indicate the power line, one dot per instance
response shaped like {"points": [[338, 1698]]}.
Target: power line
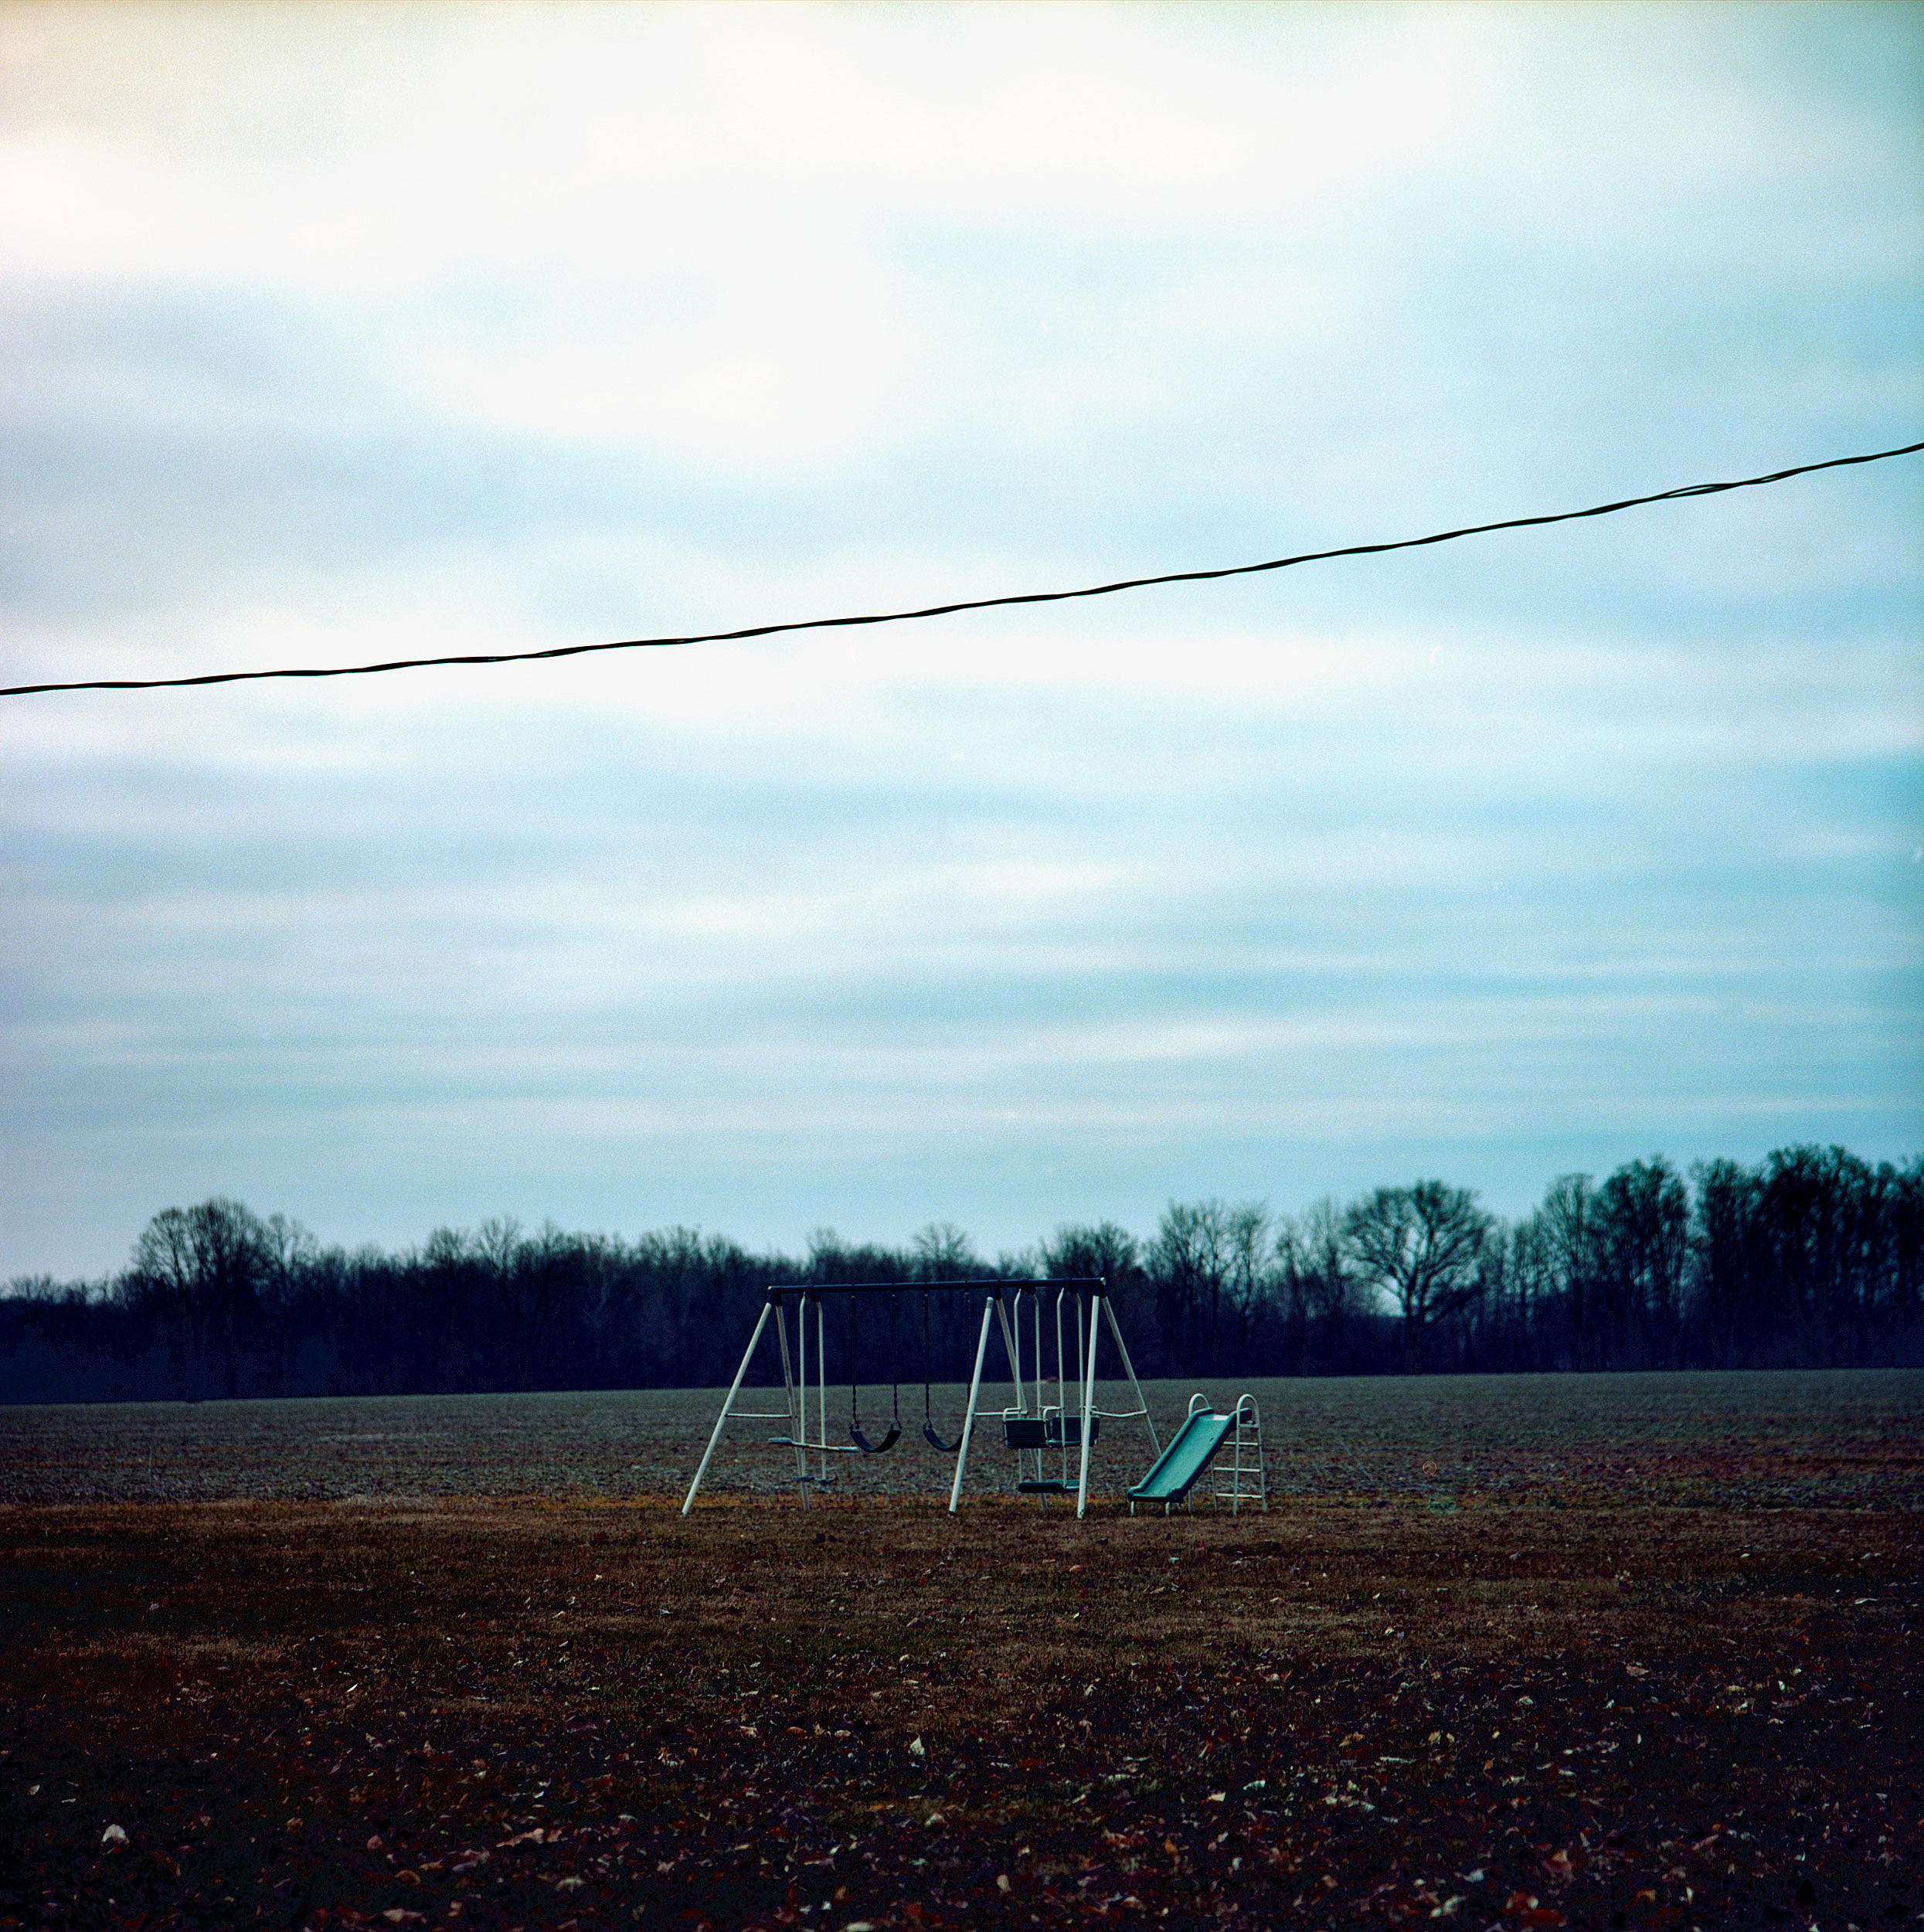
{"points": [[966, 603]]}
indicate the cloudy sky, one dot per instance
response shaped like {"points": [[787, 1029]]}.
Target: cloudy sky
{"points": [[342, 333]]}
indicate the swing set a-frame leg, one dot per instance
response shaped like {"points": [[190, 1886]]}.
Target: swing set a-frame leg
{"points": [[1088, 1407], [990, 1303], [1129, 1369], [721, 1421]]}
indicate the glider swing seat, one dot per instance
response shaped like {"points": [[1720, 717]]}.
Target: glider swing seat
{"points": [[1052, 1441], [1051, 1426]]}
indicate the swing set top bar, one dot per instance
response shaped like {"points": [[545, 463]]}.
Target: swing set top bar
{"points": [[776, 1290]]}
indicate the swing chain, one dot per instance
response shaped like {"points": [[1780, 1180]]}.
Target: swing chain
{"points": [[856, 1435], [928, 1370]]}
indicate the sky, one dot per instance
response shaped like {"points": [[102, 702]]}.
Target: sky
{"points": [[337, 333]]}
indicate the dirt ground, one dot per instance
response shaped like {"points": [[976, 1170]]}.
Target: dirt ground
{"points": [[1836, 1440], [1569, 1705]]}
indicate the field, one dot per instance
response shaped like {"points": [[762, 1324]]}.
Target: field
{"points": [[1608, 1652]]}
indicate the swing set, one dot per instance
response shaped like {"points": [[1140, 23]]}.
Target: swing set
{"points": [[1052, 1441]]}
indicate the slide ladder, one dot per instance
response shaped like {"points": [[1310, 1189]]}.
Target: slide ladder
{"points": [[1243, 1476]]}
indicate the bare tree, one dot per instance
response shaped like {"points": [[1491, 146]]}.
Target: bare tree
{"points": [[603, 1261], [288, 1251], [1530, 1292], [523, 1274], [1724, 1253], [1322, 1290], [944, 1252], [1419, 1245], [1079, 1251], [1642, 1218], [1211, 1264], [1567, 1224], [1076, 1252], [201, 1266]]}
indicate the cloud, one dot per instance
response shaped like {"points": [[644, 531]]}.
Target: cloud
{"points": [[493, 331]]}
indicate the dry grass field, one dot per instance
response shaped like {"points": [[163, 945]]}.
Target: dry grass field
{"points": [[1613, 1653]]}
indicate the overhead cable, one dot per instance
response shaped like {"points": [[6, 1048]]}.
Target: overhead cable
{"points": [[965, 603]]}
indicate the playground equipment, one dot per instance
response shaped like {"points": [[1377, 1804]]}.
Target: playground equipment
{"points": [[894, 1435], [1244, 1476], [1050, 1432], [1194, 1447], [928, 1379], [1051, 1426]]}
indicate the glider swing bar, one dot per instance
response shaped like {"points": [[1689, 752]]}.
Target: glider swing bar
{"points": [[1071, 1424]]}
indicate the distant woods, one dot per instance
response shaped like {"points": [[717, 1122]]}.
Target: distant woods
{"points": [[1812, 1259]]}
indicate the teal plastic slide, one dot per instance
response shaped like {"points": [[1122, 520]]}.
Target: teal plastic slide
{"points": [[1179, 1466]]}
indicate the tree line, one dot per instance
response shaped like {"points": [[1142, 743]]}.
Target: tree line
{"points": [[1812, 1258]]}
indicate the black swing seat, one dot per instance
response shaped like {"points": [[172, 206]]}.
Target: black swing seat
{"points": [[869, 1448], [1045, 1488], [1048, 1432], [935, 1442]]}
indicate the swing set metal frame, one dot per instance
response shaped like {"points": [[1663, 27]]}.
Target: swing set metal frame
{"points": [[1058, 1431]]}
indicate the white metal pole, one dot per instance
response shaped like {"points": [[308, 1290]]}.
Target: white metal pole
{"points": [[1088, 1393], [1011, 1316], [989, 1304], [1061, 1367], [1062, 1402], [822, 1381], [1122, 1349], [1036, 1310], [1037, 1299], [722, 1420], [1079, 1362], [797, 1405], [1012, 1347], [801, 1365]]}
